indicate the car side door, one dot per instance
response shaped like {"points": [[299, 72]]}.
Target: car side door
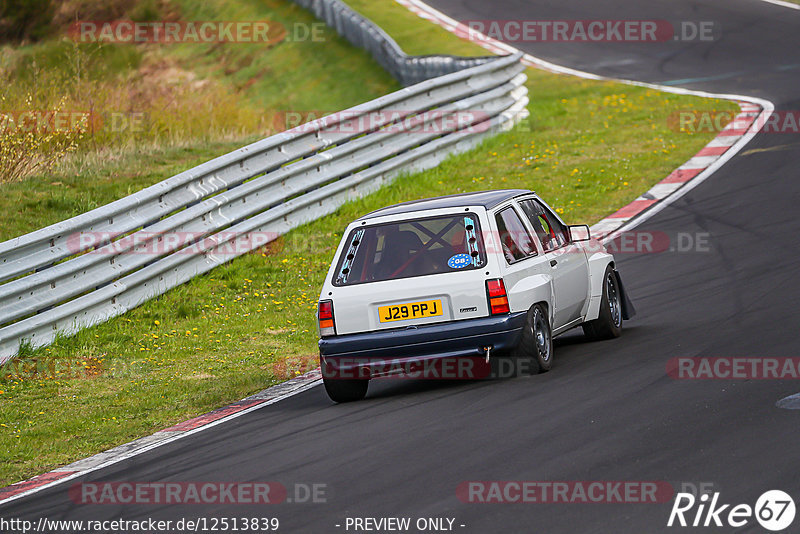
{"points": [[567, 261], [522, 255]]}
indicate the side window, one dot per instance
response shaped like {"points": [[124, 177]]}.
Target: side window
{"points": [[548, 228], [514, 238]]}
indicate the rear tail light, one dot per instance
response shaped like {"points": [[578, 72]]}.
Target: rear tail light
{"points": [[325, 316], [498, 300]]}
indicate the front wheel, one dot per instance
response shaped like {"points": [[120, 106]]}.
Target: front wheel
{"points": [[535, 347], [608, 324]]}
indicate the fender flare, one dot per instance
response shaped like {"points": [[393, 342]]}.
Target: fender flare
{"points": [[598, 263], [532, 290], [628, 310]]}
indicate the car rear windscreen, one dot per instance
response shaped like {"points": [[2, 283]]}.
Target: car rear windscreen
{"points": [[409, 248]]}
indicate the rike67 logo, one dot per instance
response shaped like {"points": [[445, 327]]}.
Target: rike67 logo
{"points": [[774, 510]]}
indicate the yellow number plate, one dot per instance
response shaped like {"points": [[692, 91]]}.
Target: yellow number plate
{"points": [[412, 310]]}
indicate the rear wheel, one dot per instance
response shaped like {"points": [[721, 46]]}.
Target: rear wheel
{"points": [[535, 348], [346, 389], [608, 324], [339, 388]]}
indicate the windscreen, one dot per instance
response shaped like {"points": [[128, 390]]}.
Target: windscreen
{"points": [[409, 248]]}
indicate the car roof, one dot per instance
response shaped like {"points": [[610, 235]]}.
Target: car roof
{"points": [[487, 199]]}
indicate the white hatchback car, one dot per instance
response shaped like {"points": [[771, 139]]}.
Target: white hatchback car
{"points": [[462, 276]]}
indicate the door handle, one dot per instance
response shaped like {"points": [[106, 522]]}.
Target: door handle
{"points": [[553, 263]]}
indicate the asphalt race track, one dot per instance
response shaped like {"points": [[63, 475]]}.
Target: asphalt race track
{"points": [[607, 411]]}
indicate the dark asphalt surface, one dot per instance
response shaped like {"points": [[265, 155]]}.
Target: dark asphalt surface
{"points": [[607, 410]]}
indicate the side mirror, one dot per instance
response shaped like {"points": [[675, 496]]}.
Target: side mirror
{"points": [[579, 232]]}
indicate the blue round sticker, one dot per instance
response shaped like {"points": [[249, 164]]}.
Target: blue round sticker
{"points": [[459, 261]]}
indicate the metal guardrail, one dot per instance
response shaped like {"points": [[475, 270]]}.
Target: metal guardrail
{"points": [[58, 282], [364, 33]]}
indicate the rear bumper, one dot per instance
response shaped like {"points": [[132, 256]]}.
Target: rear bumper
{"points": [[457, 339]]}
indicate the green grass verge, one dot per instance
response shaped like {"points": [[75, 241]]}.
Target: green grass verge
{"points": [[178, 94], [589, 148]]}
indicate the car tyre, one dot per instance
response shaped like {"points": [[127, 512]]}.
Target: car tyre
{"points": [[346, 389], [535, 347], [608, 324]]}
